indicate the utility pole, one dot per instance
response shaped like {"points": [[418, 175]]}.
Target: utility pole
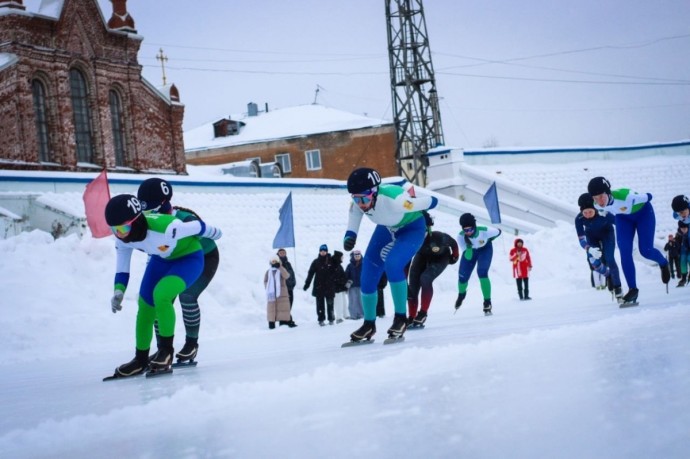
{"points": [[163, 58], [413, 86]]}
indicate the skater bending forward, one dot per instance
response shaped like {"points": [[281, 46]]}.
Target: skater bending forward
{"points": [[399, 233], [477, 250], [175, 263]]}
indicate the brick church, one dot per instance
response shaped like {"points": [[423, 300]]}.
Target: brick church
{"points": [[72, 97]]}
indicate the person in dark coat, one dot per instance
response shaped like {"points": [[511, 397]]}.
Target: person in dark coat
{"points": [[321, 271], [437, 252], [291, 282], [340, 279], [673, 249], [684, 249], [354, 286], [380, 304]]}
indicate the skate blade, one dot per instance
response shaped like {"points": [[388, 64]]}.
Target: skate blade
{"points": [[628, 305], [119, 376], [357, 343], [415, 326], [488, 313], [157, 373], [188, 363], [397, 339]]}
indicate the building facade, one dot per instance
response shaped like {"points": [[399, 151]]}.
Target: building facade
{"points": [[308, 141], [72, 96]]}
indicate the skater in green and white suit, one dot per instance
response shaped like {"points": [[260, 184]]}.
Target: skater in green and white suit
{"points": [[477, 250], [176, 262]]}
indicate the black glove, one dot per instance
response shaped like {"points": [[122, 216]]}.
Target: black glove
{"points": [[306, 287], [349, 243]]}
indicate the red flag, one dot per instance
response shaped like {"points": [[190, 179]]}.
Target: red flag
{"points": [[96, 197]]}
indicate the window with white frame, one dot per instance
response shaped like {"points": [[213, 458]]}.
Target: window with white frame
{"points": [[284, 160], [313, 158]]}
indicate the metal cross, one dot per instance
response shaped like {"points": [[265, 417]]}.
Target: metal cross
{"points": [[163, 58]]}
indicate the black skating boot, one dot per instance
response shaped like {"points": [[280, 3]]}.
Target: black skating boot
{"points": [[665, 274], [461, 298], [618, 293], [163, 358], [399, 326], [683, 280], [419, 320], [139, 364], [631, 296], [365, 332], [487, 307], [271, 325], [189, 350]]}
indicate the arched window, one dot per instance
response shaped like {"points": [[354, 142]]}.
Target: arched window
{"points": [[118, 125], [82, 116], [41, 117]]}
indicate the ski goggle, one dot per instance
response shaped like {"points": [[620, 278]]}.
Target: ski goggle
{"points": [[364, 198], [468, 229], [124, 229]]}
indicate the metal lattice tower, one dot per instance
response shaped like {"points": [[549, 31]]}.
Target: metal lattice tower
{"points": [[413, 85]]}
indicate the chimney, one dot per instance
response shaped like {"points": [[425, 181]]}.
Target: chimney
{"points": [[252, 109], [121, 19], [14, 4]]}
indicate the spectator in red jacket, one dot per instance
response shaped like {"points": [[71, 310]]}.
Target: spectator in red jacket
{"points": [[522, 265]]}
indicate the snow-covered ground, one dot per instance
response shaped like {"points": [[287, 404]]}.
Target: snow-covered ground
{"points": [[567, 375]]}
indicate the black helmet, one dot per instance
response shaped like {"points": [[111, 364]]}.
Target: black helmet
{"points": [[467, 221], [680, 203], [153, 192], [682, 224], [362, 179], [122, 208], [599, 185], [585, 201]]}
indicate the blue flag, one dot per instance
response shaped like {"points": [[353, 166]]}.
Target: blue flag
{"points": [[285, 237], [491, 203]]}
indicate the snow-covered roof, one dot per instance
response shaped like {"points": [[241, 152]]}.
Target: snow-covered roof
{"points": [[280, 123]]}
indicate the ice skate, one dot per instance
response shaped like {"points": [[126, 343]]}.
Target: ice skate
{"points": [[399, 326], [188, 351], [458, 302], [487, 307], [665, 274], [419, 320], [137, 366], [630, 298], [365, 332]]}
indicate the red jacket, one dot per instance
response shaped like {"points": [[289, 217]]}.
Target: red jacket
{"points": [[521, 260]]}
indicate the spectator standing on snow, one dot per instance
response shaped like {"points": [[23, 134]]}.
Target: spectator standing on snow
{"points": [[476, 249], [340, 280], [672, 249], [277, 297], [291, 282], [321, 271], [522, 265], [634, 214], [684, 248], [354, 290]]}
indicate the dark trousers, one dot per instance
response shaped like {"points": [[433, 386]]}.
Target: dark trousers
{"points": [[380, 307], [323, 303], [523, 287], [674, 266]]}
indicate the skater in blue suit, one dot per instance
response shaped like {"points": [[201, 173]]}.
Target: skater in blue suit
{"points": [[399, 233], [634, 215], [597, 236]]}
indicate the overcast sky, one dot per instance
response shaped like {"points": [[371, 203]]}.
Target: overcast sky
{"points": [[538, 73]]}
